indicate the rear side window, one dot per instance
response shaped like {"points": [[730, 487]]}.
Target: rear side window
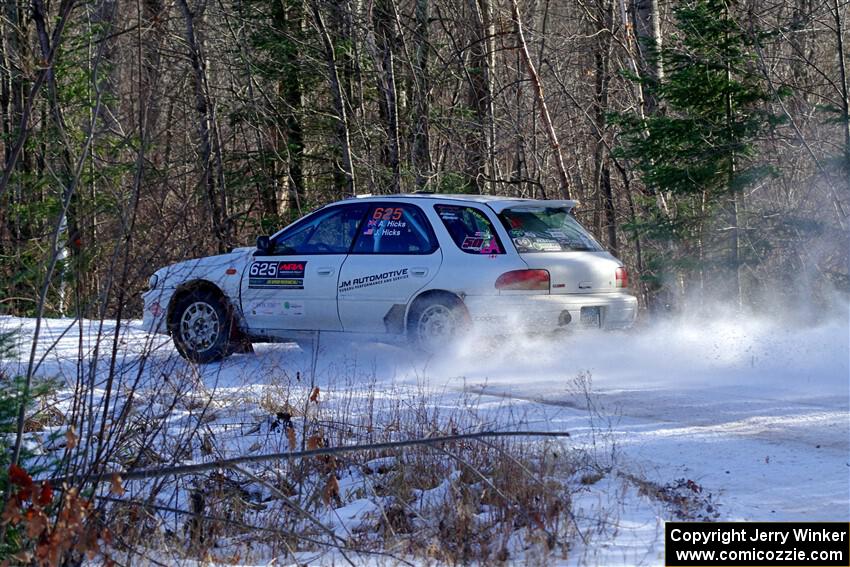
{"points": [[546, 229], [470, 229], [395, 229]]}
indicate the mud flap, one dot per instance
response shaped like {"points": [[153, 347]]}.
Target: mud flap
{"points": [[239, 342], [394, 319]]}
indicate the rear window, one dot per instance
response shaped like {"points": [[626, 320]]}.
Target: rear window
{"points": [[546, 229], [470, 229]]}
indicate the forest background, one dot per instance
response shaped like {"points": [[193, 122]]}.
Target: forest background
{"points": [[708, 141]]}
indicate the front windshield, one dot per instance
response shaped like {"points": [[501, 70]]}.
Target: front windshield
{"points": [[546, 229]]}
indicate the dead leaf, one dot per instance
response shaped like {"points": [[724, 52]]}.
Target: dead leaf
{"points": [[290, 436], [115, 485], [314, 442], [331, 490], [314, 397], [19, 476], [207, 444], [36, 525], [12, 512], [45, 497], [71, 437]]}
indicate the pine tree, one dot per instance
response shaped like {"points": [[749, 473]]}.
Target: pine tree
{"points": [[697, 153]]}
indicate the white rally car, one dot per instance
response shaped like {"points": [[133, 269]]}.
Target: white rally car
{"points": [[425, 266]]}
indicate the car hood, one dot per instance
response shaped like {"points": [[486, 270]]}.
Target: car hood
{"points": [[212, 268]]}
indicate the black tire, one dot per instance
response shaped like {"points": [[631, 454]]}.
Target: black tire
{"points": [[436, 323], [200, 326]]}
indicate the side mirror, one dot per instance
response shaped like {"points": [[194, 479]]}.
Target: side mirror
{"points": [[263, 245]]}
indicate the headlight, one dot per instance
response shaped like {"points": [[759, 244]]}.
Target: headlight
{"points": [[154, 279]]}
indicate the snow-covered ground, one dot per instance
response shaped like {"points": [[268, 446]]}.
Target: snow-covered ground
{"points": [[755, 412]]}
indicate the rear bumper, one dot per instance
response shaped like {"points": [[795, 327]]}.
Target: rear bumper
{"points": [[547, 313]]}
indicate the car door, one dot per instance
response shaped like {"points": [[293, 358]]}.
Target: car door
{"points": [[293, 286], [395, 254]]}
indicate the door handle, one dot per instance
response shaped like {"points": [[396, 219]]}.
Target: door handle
{"points": [[419, 271], [327, 271]]}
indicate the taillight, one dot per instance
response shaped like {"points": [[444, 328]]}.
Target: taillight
{"points": [[524, 279], [621, 277]]}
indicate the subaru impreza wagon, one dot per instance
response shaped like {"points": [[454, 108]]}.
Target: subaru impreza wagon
{"points": [[426, 267]]}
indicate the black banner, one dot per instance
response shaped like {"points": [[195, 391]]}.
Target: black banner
{"points": [[762, 544]]}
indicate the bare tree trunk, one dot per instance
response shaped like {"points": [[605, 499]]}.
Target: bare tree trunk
{"points": [[382, 51], [479, 95], [602, 168], [563, 178], [420, 143], [289, 18], [216, 196], [734, 202], [342, 129], [488, 21], [647, 26], [70, 235], [845, 97], [153, 14], [13, 94], [519, 175]]}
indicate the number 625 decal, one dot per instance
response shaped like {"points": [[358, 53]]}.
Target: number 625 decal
{"points": [[387, 213]]}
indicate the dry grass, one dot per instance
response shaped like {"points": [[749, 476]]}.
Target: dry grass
{"points": [[451, 504]]}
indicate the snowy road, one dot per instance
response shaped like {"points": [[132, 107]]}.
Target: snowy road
{"points": [[756, 413]]}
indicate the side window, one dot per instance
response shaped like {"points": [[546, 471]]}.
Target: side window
{"points": [[396, 228], [326, 232], [470, 228]]}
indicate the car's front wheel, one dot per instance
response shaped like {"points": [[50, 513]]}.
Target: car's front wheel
{"points": [[436, 323], [200, 326]]}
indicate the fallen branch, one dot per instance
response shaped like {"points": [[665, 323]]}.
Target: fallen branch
{"points": [[230, 463]]}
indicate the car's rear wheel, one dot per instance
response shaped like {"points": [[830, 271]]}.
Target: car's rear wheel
{"points": [[436, 323], [200, 326]]}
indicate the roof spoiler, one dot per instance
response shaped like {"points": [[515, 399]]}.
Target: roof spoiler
{"points": [[500, 206]]}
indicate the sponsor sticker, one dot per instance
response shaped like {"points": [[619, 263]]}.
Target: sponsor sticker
{"points": [[293, 308], [278, 308], [491, 247], [546, 245], [277, 275], [481, 242], [374, 279], [472, 243], [265, 308], [447, 212]]}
